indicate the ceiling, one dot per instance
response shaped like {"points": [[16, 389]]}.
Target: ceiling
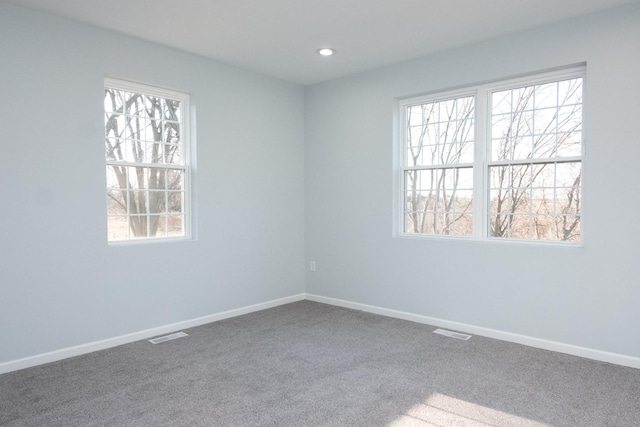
{"points": [[279, 37]]}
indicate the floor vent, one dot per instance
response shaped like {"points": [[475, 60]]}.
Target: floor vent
{"points": [[168, 337], [456, 335]]}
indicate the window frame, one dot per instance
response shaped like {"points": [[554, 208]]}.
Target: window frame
{"points": [[185, 166], [482, 94]]}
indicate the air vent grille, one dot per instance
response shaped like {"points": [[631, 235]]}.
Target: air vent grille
{"points": [[450, 334], [168, 337]]}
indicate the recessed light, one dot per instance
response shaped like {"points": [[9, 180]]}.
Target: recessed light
{"points": [[326, 51]]}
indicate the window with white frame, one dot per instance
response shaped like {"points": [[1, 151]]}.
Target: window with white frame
{"points": [[495, 161], [147, 162]]}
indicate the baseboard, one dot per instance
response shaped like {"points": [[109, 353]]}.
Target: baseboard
{"points": [[53, 356], [602, 356]]}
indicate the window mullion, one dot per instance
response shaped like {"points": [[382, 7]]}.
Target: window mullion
{"points": [[128, 187], [480, 179]]}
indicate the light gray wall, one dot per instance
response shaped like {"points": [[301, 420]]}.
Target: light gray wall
{"points": [[61, 285], [586, 296], [257, 184]]}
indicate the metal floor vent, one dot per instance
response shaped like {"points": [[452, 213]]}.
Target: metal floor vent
{"points": [[168, 337], [456, 335]]}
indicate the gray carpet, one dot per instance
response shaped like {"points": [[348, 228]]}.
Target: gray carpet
{"points": [[310, 364]]}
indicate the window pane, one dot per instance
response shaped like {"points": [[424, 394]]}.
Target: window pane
{"points": [[568, 228], [543, 176], [568, 175], [546, 95], [545, 121], [113, 100], [171, 133], [171, 110], [570, 118], [510, 226], [114, 173], [157, 201], [519, 227], [175, 179], [461, 226], [158, 225], [543, 227], [570, 92], [172, 154], [569, 144], [175, 225], [117, 227], [175, 202], [116, 202], [112, 148], [157, 178], [519, 148], [115, 124], [544, 146]]}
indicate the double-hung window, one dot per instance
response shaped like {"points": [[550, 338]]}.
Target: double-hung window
{"points": [[495, 161], [147, 162]]}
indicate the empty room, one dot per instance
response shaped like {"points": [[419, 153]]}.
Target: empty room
{"points": [[337, 213]]}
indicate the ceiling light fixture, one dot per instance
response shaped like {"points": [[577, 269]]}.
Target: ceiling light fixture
{"points": [[326, 51]]}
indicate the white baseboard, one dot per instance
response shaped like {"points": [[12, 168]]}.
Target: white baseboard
{"points": [[602, 356], [53, 356]]}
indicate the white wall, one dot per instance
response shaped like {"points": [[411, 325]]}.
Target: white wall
{"points": [[587, 297], [61, 285]]}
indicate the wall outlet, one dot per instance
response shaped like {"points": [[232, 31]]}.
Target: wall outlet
{"points": [[312, 266]]}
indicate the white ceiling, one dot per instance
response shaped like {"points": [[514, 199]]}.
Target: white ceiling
{"points": [[279, 37]]}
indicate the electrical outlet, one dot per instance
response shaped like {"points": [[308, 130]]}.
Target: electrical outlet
{"points": [[312, 266]]}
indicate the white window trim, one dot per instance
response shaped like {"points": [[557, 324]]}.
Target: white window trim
{"points": [[184, 98], [482, 155]]}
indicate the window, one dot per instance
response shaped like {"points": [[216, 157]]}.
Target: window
{"points": [[497, 161], [146, 150]]}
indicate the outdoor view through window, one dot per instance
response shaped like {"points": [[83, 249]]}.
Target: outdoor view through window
{"points": [[146, 158], [496, 161]]}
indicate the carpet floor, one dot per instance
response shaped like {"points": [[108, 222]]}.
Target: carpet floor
{"points": [[311, 364]]}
